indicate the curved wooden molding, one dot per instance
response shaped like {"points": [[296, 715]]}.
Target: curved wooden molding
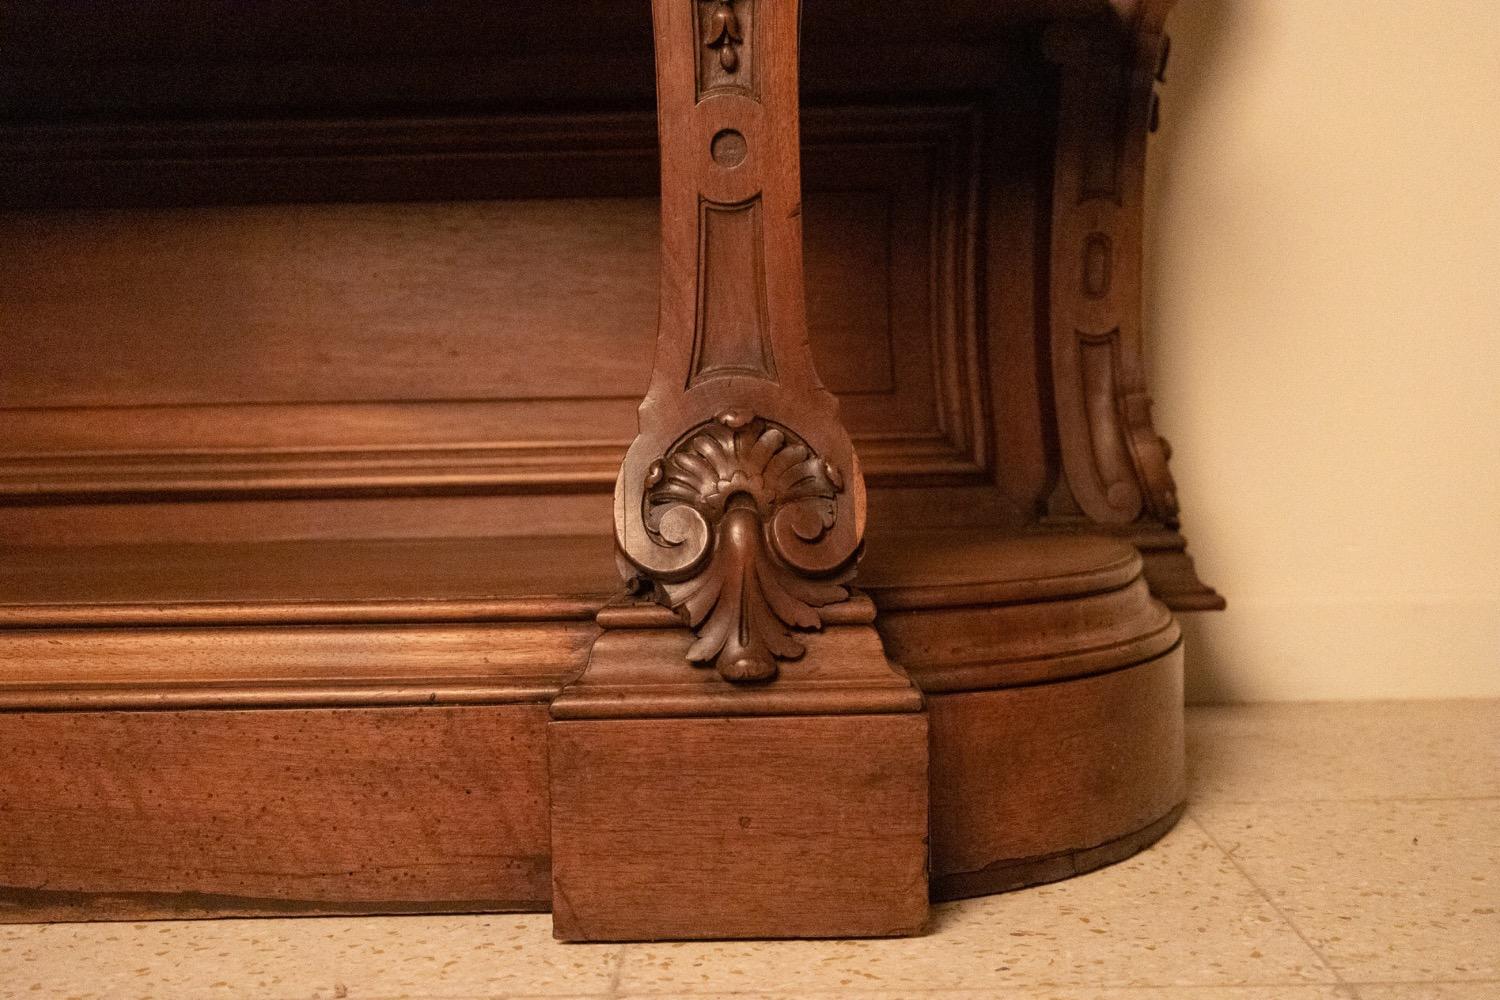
{"points": [[1114, 472], [965, 612]]}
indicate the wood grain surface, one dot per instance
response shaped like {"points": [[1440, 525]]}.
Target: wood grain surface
{"points": [[395, 341], [132, 815], [314, 582], [746, 827], [1049, 770]]}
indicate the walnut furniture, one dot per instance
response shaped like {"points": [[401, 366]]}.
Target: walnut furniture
{"points": [[343, 569]]}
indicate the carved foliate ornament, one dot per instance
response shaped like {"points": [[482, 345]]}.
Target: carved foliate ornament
{"points": [[723, 34], [743, 493], [724, 45], [745, 529]]}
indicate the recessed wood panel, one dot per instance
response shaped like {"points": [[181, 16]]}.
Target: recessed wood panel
{"points": [[498, 343], [329, 303], [385, 303]]}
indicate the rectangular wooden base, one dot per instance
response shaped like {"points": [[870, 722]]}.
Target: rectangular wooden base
{"points": [[761, 826]]}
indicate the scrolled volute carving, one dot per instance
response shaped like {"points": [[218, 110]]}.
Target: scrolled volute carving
{"points": [[741, 499]]}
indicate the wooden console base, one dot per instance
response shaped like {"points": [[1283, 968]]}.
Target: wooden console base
{"points": [[1054, 692], [684, 806], [167, 756]]}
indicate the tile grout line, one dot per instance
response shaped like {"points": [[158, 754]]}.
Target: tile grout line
{"points": [[1357, 800], [1318, 952], [1019, 991], [618, 973], [1425, 982]]}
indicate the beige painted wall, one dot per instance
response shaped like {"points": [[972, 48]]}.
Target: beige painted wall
{"points": [[1324, 321]]}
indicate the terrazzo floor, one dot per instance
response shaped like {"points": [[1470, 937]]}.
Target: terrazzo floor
{"points": [[1328, 851]]}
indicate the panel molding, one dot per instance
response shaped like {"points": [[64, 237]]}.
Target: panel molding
{"points": [[106, 454], [731, 333], [560, 467]]}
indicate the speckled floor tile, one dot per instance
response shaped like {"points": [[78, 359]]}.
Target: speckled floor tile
{"points": [[1387, 891], [1431, 991], [1178, 914], [1360, 750], [366, 958]]}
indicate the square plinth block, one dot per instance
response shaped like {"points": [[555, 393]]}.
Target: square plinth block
{"points": [[739, 827]]}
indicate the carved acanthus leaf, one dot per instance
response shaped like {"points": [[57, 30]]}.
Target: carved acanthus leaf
{"points": [[748, 481]]}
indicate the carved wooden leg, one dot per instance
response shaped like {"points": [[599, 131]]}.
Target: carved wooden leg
{"points": [[764, 774]]}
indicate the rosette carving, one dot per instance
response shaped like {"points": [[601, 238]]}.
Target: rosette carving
{"points": [[745, 497]]}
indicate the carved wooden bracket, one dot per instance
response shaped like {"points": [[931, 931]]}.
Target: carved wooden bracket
{"points": [[741, 502], [1115, 463]]}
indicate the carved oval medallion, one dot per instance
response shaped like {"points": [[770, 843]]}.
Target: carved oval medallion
{"points": [[1098, 265]]}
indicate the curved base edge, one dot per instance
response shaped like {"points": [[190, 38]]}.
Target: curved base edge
{"points": [[1007, 876], [1041, 782]]}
